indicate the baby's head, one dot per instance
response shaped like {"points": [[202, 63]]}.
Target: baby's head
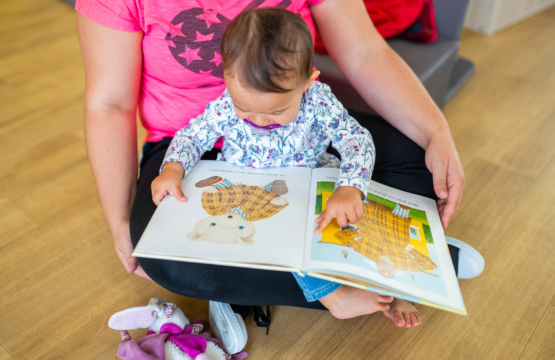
{"points": [[267, 55]]}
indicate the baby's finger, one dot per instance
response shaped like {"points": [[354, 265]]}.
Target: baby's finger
{"points": [[325, 219], [178, 193], [352, 216], [158, 195], [341, 219], [359, 211]]}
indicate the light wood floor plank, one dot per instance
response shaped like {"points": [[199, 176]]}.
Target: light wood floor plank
{"points": [[4, 355], [13, 222], [542, 343], [498, 95], [519, 270], [56, 263], [526, 145], [28, 86], [22, 29]]}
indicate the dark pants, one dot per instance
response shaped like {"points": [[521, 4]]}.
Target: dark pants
{"points": [[399, 164]]}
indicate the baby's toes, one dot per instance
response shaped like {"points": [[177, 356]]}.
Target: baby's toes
{"points": [[399, 319], [413, 320], [417, 319], [408, 320]]}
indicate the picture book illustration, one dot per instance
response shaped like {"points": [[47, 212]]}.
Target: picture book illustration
{"points": [[233, 207], [265, 219], [383, 235], [392, 239]]}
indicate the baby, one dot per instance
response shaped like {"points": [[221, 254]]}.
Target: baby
{"points": [[275, 113]]}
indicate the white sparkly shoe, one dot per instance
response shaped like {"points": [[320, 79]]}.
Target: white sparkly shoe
{"points": [[227, 326], [471, 262]]}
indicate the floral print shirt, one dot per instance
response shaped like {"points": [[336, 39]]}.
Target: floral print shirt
{"points": [[321, 119]]}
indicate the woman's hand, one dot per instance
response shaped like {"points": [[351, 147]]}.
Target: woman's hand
{"points": [[443, 162], [168, 182], [124, 249], [345, 205]]}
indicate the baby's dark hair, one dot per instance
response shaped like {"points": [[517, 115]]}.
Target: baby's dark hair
{"points": [[268, 49]]}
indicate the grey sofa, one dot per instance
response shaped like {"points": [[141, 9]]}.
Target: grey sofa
{"points": [[437, 65]]}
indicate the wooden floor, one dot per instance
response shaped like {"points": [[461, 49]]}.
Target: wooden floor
{"points": [[60, 278]]}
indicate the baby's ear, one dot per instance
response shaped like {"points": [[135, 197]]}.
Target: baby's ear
{"points": [[247, 240], [311, 79]]}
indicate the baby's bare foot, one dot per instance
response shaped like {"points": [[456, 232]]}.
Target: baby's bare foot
{"points": [[348, 302], [403, 314]]}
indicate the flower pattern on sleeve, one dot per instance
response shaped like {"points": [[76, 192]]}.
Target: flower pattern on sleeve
{"points": [[321, 119]]}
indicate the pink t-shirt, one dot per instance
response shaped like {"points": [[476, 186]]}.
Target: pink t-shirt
{"points": [[182, 67]]}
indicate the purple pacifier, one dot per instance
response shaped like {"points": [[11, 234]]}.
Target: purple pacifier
{"points": [[262, 130]]}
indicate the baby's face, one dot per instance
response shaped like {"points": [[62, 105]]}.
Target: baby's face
{"points": [[262, 108]]}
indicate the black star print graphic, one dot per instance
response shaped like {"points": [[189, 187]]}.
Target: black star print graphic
{"points": [[195, 38]]}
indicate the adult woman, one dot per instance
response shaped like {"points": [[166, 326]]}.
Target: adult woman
{"points": [[148, 55]]}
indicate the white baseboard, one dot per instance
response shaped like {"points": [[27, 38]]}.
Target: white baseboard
{"points": [[490, 16]]}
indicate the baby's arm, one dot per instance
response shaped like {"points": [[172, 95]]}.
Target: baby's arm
{"points": [[168, 182], [188, 146], [356, 147]]}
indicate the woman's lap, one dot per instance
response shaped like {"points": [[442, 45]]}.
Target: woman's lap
{"points": [[399, 163]]}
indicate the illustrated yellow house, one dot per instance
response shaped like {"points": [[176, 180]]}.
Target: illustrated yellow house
{"points": [[417, 237]]}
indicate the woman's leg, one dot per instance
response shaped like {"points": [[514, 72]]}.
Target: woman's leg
{"points": [[211, 282]]}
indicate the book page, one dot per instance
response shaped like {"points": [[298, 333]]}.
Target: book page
{"points": [[233, 215], [399, 246]]}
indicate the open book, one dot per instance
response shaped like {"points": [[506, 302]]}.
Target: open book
{"points": [[265, 219]]}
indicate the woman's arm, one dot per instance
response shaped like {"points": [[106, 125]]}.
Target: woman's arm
{"points": [[390, 87], [113, 61]]}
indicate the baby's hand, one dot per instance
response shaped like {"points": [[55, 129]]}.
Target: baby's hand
{"points": [[168, 182], [345, 205]]}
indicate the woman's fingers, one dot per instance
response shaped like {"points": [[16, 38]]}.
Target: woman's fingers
{"points": [[124, 248], [439, 173], [129, 262], [140, 272], [441, 203], [453, 201]]}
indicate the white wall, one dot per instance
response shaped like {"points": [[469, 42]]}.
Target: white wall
{"points": [[490, 16]]}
